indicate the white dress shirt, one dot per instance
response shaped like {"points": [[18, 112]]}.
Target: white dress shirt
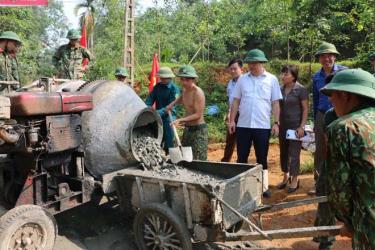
{"points": [[256, 94], [230, 88]]}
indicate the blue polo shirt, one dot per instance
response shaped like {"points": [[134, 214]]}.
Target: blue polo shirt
{"points": [[320, 101], [162, 95]]}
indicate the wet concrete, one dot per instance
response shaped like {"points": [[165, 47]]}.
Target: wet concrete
{"points": [[152, 159]]}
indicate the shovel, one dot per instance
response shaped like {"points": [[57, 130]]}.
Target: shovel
{"points": [[180, 153]]}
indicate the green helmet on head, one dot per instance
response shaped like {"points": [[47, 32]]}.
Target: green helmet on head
{"points": [[73, 34], [165, 72], [372, 57], [187, 71], [326, 48], [10, 35], [121, 71], [255, 55], [356, 81]]}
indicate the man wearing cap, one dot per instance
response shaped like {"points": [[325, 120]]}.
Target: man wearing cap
{"points": [[351, 155], [371, 58], [195, 132], [68, 59], [9, 47], [255, 97], [121, 73], [326, 54], [163, 94]]}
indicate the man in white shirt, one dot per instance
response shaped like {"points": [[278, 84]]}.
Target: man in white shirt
{"points": [[255, 96], [235, 70]]}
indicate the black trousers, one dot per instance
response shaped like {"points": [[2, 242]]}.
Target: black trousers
{"points": [[248, 136], [230, 143]]}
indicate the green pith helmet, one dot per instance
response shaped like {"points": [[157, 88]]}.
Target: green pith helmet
{"points": [[10, 35], [165, 72], [255, 55], [356, 81], [326, 48], [187, 71], [372, 57], [121, 71], [73, 34]]}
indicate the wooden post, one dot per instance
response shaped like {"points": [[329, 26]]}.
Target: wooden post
{"points": [[129, 40]]}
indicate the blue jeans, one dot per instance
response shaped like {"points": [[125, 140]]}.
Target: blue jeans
{"points": [[248, 136]]}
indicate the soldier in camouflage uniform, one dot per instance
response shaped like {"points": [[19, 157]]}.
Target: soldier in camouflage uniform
{"points": [[351, 155], [196, 132], [9, 47], [68, 58]]}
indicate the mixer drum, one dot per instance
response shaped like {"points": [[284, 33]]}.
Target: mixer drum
{"points": [[107, 130]]}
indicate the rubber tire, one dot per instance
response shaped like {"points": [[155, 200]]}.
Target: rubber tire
{"points": [[18, 216], [164, 211]]}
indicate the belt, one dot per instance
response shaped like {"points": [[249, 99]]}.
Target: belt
{"points": [[196, 127]]}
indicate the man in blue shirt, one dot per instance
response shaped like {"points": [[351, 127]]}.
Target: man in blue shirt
{"points": [[327, 56], [164, 93]]}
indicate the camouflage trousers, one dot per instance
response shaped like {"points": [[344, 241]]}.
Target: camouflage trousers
{"points": [[324, 214], [196, 137]]}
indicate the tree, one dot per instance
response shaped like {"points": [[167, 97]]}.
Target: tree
{"points": [[87, 19], [40, 29]]}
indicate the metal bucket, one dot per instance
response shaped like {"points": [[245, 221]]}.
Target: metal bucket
{"points": [[107, 130]]}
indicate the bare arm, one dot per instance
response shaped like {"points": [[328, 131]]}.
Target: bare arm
{"points": [[276, 117], [172, 104], [233, 114], [300, 130]]}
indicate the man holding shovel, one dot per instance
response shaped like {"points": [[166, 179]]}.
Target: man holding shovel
{"points": [[195, 133], [164, 93]]}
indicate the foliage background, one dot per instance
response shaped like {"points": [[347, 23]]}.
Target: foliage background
{"points": [[287, 30]]}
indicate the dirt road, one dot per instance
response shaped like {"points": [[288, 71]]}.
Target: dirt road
{"points": [[104, 227]]}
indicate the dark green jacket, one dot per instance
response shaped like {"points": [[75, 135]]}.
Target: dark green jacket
{"points": [[162, 95], [68, 61], [8, 69]]}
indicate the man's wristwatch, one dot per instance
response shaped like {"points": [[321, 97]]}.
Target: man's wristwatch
{"points": [[277, 123]]}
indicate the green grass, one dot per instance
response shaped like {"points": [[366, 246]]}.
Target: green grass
{"points": [[307, 167]]}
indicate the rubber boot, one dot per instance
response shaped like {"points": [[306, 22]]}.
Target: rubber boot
{"points": [[266, 191]]}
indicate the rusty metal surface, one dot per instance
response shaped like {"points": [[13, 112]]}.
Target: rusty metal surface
{"points": [[64, 132], [241, 188], [107, 129]]}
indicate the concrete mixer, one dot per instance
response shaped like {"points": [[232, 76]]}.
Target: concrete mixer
{"points": [[57, 148]]}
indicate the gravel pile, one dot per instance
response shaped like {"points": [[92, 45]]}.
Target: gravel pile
{"points": [[149, 152]]}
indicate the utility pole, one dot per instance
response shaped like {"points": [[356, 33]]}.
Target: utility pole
{"points": [[129, 39]]}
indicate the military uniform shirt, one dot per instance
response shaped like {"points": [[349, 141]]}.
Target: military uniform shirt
{"points": [[351, 174], [68, 61], [8, 69]]}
